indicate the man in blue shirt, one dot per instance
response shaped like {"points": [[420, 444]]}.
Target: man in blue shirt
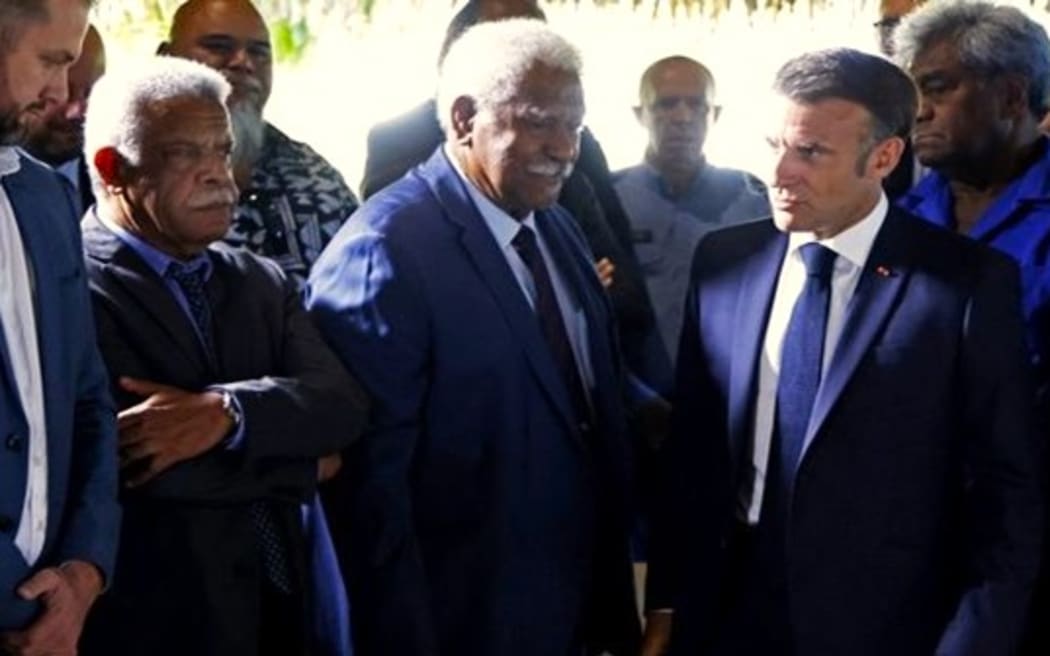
{"points": [[983, 72], [676, 197]]}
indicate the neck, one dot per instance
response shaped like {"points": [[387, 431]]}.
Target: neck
{"points": [[678, 174], [990, 174], [862, 209]]}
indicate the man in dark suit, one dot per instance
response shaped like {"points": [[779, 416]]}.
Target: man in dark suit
{"points": [[394, 147], [852, 466], [491, 514], [56, 137], [228, 395], [58, 505]]}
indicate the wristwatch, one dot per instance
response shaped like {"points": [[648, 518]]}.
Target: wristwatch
{"points": [[230, 408]]}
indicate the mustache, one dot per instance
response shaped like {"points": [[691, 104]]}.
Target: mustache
{"points": [[212, 198]]}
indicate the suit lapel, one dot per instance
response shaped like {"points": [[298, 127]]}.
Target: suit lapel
{"points": [[881, 281], [142, 284], [753, 305], [484, 253]]}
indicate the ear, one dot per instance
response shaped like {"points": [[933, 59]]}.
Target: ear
{"points": [[110, 166], [164, 48], [1013, 94], [464, 111], [885, 156]]}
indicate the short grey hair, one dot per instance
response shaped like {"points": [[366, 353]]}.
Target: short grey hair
{"points": [[991, 40], [491, 59], [119, 103], [16, 14]]}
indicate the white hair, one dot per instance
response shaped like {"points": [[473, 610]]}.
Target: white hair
{"points": [[119, 103], [490, 60]]}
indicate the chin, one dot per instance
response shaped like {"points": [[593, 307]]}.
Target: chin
{"points": [[790, 222]]}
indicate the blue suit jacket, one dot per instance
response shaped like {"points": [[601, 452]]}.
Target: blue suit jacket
{"points": [[482, 521], [83, 514], [915, 520]]}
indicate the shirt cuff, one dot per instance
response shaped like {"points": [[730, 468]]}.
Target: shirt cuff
{"points": [[235, 439]]}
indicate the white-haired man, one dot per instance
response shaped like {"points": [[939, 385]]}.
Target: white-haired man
{"points": [[227, 393], [491, 512], [58, 504]]}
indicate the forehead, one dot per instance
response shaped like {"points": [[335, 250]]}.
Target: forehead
{"points": [[939, 57], [676, 78], [546, 86], [63, 30], [830, 121], [238, 19], [185, 118], [494, 10]]}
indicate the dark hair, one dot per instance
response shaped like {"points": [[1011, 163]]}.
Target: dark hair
{"points": [[870, 81], [466, 18]]}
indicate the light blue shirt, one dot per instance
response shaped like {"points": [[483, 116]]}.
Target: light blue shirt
{"points": [[666, 230], [504, 228]]}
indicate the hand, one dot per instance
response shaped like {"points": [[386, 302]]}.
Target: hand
{"points": [[329, 466], [606, 269], [170, 426], [657, 636], [66, 593]]}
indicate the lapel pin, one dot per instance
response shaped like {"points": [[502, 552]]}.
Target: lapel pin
{"points": [[883, 271]]}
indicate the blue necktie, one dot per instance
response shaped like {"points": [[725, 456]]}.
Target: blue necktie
{"points": [[801, 359], [190, 280], [551, 322]]}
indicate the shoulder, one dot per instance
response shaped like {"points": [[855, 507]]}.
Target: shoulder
{"points": [[946, 254], [237, 261], [287, 157], [421, 120]]}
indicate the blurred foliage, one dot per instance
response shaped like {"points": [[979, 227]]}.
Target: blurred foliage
{"points": [[294, 23]]}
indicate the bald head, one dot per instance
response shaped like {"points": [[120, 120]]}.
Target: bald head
{"points": [[676, 105], [57, 136], [231, 37]]}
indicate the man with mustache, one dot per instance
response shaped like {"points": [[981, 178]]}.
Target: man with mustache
{"points": [[677, 196], [227, 394], [57, 138], [291, 200], [490, 497], [983, 73], [58, 507]]}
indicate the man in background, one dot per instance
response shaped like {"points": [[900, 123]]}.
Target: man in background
{"points": [[676, 196], [57, 138], [291, 200], [58, 507]]}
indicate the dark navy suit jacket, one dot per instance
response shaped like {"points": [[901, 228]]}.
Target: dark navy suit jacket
{"points": [[915, 520], [484, 523], [83, 515]]}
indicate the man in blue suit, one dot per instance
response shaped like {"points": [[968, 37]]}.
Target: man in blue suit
{"points": [[490, 511], [852, 468], [58, 510]]}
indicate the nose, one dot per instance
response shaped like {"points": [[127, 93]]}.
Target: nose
{"points": [[564, 144], [241, 60], [681, 112], [925, 110], [782, 169], [56, 89]]}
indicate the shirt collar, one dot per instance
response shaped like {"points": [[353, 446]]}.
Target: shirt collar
{"points": [[503, 226], [855, 242], [154, 258], [9, 163]]}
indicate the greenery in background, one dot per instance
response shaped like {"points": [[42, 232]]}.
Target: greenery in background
{"points": [[291, 21]]}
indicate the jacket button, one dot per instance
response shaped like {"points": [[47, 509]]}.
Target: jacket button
{"points": [[6, 524], [14, 443]]}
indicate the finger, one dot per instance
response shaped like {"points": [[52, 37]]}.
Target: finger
{"points": [[39, 584], [137, 452], [157, 465], [131, 416], [140, 386]]}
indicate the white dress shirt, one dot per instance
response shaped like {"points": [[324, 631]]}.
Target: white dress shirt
{"points": [[18, 319], [504, 228], [852, 246]]}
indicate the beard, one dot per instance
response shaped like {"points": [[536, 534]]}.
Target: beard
{"points": [[249, 132], [12, 127]]}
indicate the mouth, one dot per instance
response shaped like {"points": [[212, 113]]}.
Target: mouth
{"points": [[925, 138]]}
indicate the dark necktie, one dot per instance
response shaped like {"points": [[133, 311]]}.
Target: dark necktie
{"points": [[274, 554], [551, 322], [191, 281]]}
